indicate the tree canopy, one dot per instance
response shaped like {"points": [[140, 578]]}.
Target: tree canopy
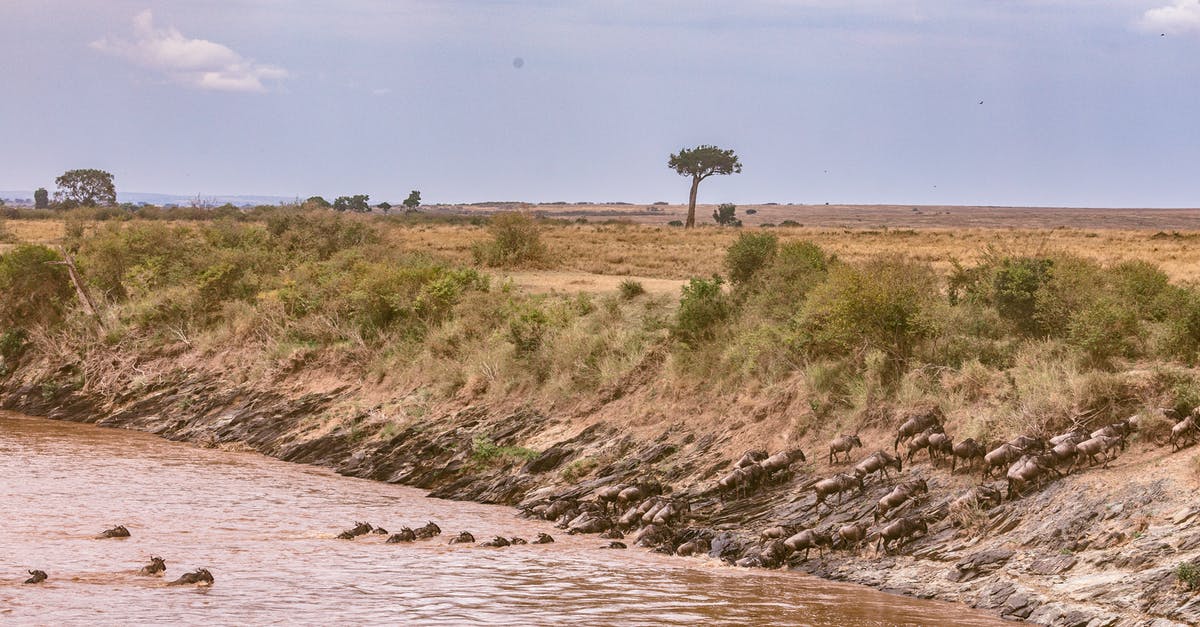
{"points": [[41, 198], [86, 187], [700, 163], [357, 203], [414, 200]]}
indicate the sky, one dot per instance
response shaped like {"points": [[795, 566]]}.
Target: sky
{"points": [[991, 102]]}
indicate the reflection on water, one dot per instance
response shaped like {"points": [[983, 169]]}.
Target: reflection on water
{"points": [[266, 530]]}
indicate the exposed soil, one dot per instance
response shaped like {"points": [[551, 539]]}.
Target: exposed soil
{"points": [[1099, 547]]}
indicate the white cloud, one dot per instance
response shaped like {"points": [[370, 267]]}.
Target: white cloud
{"points": [[196, 63], [1180, 16]]}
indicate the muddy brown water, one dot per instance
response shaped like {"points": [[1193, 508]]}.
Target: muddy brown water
{"points": [[266, 530]]}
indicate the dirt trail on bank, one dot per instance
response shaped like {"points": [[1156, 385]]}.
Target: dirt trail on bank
{"points": [[1099, 547]]}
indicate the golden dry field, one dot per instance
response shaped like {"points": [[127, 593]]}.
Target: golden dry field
{"points": [[634, 240]]}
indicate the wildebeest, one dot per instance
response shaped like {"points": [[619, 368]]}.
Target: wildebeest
{"points": [[921, 441], [900, 531], [543, 538], [940, 444], [404, 535], [980, 496], [200, 577], [877, 462], [359, 529], [38, 576], [516, 541], [1120, 429], [497, 542], [588, 522], [429, 530], [807, 540], [853, 534], [899, 496], [692, 547], [836, 484], [638, 492], [157, 566], [1009, 452], [741, 480], [968, 450], [465, 537], [1184, 433], [615, 545], [1074, 436], [116, 532], [782, 460], [915, 425], [843, 444], [751, 457], [1027, 469], [1096, 445]]}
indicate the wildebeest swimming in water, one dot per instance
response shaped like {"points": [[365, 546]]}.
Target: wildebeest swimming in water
{"points": [[615, 545], [543, 538], [156, 567], [404, 535], [200, 577], [360, 529], [116, 532], [497, 541], [38, 576], [429, 530], [464, 537]]}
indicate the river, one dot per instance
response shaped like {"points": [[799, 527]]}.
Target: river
{"points": [[266, 530]]}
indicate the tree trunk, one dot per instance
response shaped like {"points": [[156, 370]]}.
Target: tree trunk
{"points": [[691, 219]]}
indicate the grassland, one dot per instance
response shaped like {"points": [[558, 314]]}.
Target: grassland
{"points": [[1006, 328]]}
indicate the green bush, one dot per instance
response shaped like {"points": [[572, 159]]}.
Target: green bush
{"points": [[1104, 330], [750, 253], [515, 241], [33, 288], [631, 289], [318, 234], [876, 305], [527, 329], [703, 306], [1189, 574]]}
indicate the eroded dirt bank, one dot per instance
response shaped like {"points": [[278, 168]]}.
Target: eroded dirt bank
{"points": [[1099, 547]]}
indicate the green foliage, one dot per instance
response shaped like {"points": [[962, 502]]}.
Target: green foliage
{"points": [[877, 305], [631, 289], [359, 203], [385, 206], [316, 202], [41, 198], [413, 201], [675, 223], [704, 161], [34, 289], [318, 235], [12, 345], [486, 452], [703, 306], [86, 187], [527, 329], [516, 241], [724, 215], [749, 254], [1104, 329], [1189, 574]]}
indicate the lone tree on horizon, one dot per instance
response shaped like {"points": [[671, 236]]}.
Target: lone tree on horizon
{"points": [[700, 163], [86, 187]]}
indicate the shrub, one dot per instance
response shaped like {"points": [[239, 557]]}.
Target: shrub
{"points": [[1103, 330], [725, 215], [1181, 333], [1014, 288], [5, 234], [749, 254], [486, 452], [702, 307], [33, 289], [515, 241], [1188, 574], [631, 289], [878, 304], [675, 223], [527, 329], [789, 223], [317, 234]]}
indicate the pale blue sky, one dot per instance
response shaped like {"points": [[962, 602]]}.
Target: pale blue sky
{"points": [[878, 101]]}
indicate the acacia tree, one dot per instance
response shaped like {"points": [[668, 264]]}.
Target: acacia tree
{"points": [[86, 187], [700, 163], [356, 203], [41, 198], [414, 200]]}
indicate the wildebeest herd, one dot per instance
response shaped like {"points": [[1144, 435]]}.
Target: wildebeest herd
{"points": [[653, 519], [157, 566]]}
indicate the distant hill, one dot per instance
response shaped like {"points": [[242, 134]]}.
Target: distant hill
{"points": [[166, 199]]}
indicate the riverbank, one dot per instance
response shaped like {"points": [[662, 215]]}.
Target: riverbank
{"points": [[1100, 547]]}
